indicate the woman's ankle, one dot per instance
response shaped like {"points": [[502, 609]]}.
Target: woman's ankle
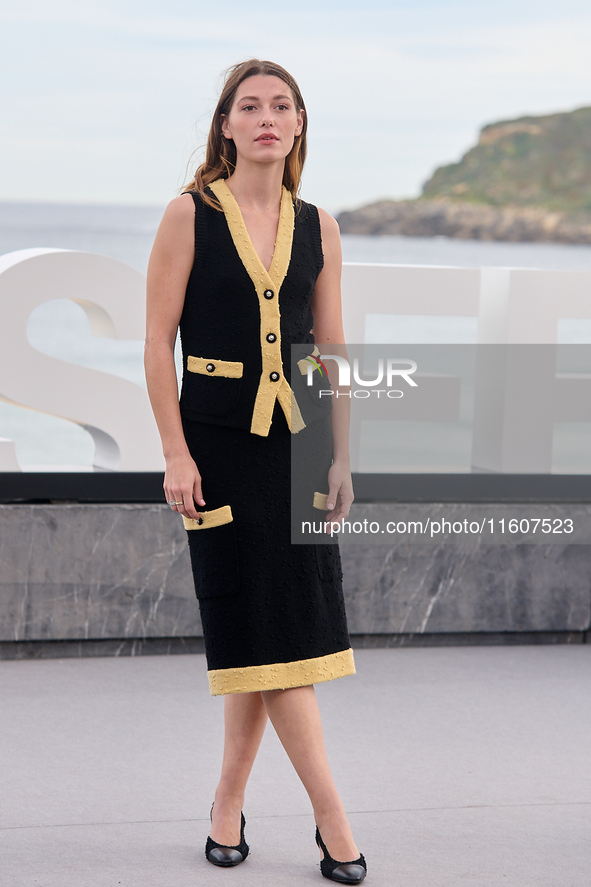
{"points": [[226, 818], [336, 833], [228, 799]]}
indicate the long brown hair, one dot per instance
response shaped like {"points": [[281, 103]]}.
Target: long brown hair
{"points": [[220, 155]]}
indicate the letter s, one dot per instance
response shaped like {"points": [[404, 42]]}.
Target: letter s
{"points": [[114, 411]]}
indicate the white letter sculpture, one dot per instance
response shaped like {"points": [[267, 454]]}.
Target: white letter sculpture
{"points": [[114, 411]]}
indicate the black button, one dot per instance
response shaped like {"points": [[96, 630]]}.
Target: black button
{"points": [[210, 367], [199, 520], [268, 294], [274, 377], [271, 337]]}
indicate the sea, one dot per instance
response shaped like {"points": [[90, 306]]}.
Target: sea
{"points": [[60, 328]]}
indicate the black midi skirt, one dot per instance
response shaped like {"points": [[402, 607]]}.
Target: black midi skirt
{"points": [[273, 612]]}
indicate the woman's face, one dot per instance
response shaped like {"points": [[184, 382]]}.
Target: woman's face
{"points": [[263, 121]]}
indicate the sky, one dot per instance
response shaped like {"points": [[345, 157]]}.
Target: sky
{"points": [[107, 101]]}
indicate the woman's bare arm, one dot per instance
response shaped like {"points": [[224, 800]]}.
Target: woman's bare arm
{"points": [[169, 268], [328, 334]]}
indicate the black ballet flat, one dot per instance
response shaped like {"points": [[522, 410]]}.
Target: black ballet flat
{"points": [[343, 872], [222, 854]]}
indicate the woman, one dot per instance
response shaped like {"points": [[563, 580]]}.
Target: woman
{"points": [[246, 269]]}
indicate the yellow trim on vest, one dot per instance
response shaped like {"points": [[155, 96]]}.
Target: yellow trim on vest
{"points": [[304, 363], [265, 281], [214, 518], [321, 501], [230, 369], [289, 405], [281, 675]]}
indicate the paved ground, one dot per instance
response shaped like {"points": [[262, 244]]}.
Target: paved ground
{"points": [[463, 766]]}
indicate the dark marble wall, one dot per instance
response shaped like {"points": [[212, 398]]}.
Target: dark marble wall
{"points": [[455, 588], [122, 571], [94, 571]]}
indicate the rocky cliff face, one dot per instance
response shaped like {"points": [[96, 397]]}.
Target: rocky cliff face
{"points": [[470, 221], [526, 180], [532, 161]]}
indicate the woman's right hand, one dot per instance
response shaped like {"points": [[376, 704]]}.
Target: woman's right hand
{"points": [[169, 268], [182, 484]]}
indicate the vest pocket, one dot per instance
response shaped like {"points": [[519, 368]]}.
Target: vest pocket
{"points": [[304, 392], [212, 386], [212, 546], [231, 369]]}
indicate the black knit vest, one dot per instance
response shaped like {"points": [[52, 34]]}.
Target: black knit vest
{"points": [[221, 320]]}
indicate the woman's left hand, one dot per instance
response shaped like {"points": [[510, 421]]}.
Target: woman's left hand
{"points": [[340, 492]]}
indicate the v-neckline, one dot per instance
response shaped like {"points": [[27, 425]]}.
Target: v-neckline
{"points": [[251, 260]]}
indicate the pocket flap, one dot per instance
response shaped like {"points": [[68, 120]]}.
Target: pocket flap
{"points": [[230, 369], [214, 518], [304, 363], [321, 501]]}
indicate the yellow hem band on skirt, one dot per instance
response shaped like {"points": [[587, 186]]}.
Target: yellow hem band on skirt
{"points": [[281, 675]]}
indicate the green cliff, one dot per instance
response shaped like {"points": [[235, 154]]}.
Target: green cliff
{"points": [[526, 180], [531, 161]]}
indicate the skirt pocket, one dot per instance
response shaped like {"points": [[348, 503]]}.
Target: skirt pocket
{"points": [[212, 546], [328, 562]]}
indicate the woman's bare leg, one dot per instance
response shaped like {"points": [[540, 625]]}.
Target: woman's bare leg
{"points": [[245, 718], [295, 716]]}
